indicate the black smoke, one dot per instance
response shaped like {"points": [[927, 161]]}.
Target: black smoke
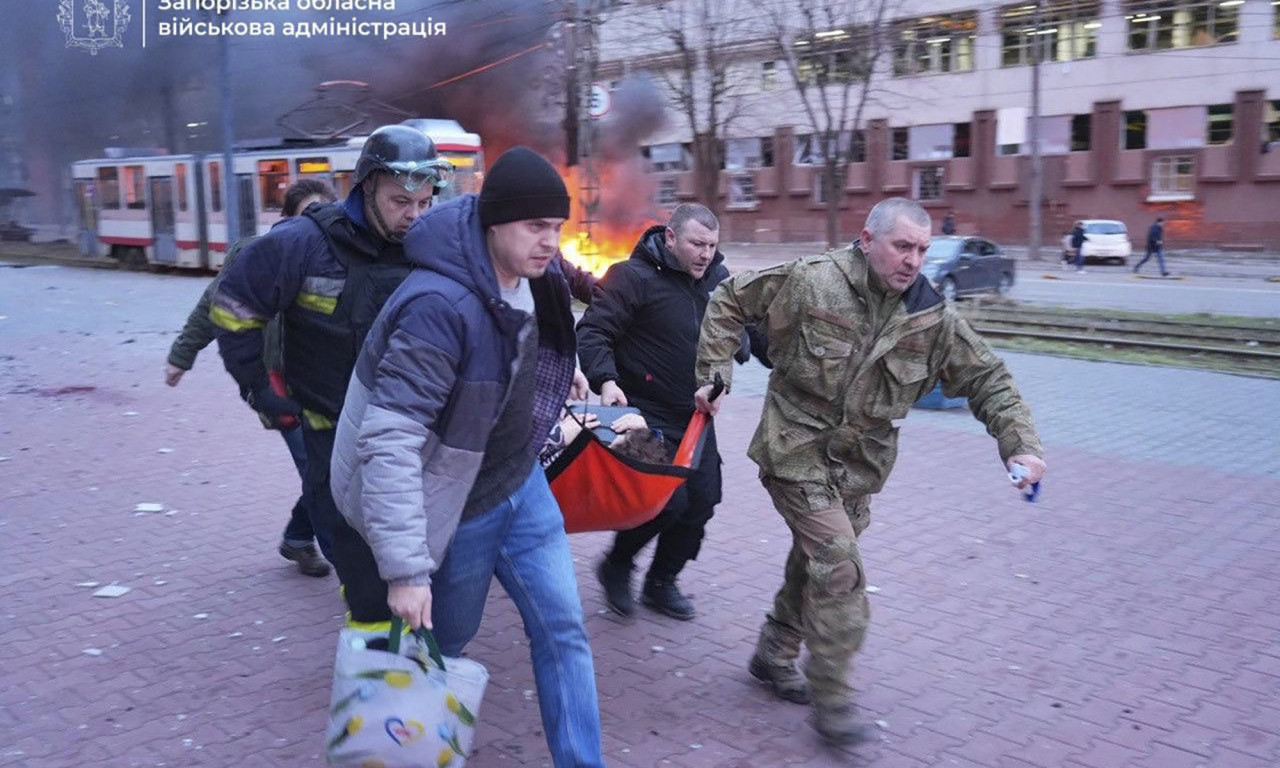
{"points": [[70, 105]]}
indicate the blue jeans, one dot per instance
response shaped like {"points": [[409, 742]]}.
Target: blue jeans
{"points": [[298, 533], [1159, 254], [1079, 259], [522, 541]]}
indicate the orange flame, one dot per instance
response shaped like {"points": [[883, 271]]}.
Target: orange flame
{"points": [[610, 241]]}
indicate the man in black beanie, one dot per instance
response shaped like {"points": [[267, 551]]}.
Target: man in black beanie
{"points": [[456, 389]]}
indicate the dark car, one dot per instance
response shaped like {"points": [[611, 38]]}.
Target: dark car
{"points": [[959, 266]]}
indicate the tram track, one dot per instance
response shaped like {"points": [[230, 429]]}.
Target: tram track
{"points": [[1230, 345]]}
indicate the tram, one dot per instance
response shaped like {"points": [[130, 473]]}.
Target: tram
{"points": [[168, 210]]}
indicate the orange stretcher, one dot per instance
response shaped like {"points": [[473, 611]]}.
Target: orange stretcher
{"points": [[599, 490]]}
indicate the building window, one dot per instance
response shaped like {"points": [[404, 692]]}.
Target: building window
{"points": [[1159, 25], [961, 144], [740, 154], [768, 75], [273, 179], [135, 187], [1273, 120], [1081, 133], [215, 186], [1135, 129], [1067, 30], [926, 183], [766, 151], [809, 149], [832, 56], [900, 144], [858, 146], [934, 44], [180, 179], [109, 187], [1173, 178], [1221, 122], [666, 192], [742, 190], [668, 157]]}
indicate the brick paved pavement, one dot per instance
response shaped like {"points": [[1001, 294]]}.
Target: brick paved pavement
{"points": [[1129, 619]]}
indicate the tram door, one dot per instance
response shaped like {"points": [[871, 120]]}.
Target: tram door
{"points": [[165, 250], [248, 210], [87, 210]]}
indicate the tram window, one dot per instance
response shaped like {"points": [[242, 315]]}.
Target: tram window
{"points": [[180, 179], [273, 179], [215, 187], [109, 187], [135, 187]]}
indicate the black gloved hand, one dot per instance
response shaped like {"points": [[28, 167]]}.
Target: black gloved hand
{"points": [[281, 411]]}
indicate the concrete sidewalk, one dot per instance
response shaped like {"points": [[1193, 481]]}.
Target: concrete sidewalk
{"points": [[1128, 619]]}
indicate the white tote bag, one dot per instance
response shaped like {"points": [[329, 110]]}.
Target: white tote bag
{"points": [[400, 704]]}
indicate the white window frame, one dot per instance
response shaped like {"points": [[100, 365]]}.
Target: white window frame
{"points": [[742, 191], [741, 154], [1169, 182], [935, 44], [918, 182], [667, 192]]}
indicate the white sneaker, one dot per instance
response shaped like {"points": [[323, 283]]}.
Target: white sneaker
{"points": [[1081, 272]]}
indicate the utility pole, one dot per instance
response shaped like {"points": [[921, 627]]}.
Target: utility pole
{"points": [[588, 175], [571, 83], [1037, 168], [231, 198]]}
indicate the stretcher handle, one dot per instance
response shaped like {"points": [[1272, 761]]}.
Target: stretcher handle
{"points": [[693, 433]]}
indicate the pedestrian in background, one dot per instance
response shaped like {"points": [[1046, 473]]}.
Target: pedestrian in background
{"points": [[1077, 243], [297, 542], [1155, 245], [949, 223]]}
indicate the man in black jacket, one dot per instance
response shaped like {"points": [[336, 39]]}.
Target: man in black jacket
{"points": [[1155, 245], [637, 343]]}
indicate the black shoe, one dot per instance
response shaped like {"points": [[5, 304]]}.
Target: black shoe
{"points": [[839, 726], [309, 562], [662, 596], [616, 580], [784, 680]]}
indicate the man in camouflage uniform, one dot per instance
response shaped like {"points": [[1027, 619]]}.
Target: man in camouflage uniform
{"points": [[856, 335]]}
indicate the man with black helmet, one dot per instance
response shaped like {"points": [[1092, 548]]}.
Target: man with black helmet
{"points": [[327, 273]]}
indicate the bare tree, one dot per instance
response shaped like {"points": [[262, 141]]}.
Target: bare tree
{"points": [[698, 40], [832, 49]]}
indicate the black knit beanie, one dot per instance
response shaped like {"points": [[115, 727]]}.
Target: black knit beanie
{"points": [[522, 185]]}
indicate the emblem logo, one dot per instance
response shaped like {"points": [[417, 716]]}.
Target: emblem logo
{"points": [[87, 25]]}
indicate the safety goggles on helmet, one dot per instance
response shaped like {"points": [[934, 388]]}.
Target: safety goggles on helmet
{"points": [[414, 175]]}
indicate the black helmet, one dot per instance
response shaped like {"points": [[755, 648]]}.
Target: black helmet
{"points": [[408, 155]]}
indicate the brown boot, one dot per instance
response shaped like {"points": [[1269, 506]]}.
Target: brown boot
{"points": [[839, 725], [774, 662]]}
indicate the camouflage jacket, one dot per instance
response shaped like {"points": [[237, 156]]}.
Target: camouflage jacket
{"points": [[849, 358]]}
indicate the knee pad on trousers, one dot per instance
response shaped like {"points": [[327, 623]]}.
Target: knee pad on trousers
{"points": [[835, 568]]}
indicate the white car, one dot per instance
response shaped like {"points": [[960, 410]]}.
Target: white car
{"points": [[1104, 240]]}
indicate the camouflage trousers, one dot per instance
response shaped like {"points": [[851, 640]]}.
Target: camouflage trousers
{"points": [[823, 599]]}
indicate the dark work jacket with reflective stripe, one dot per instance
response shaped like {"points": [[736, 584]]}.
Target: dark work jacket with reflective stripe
{"points": [[328, 274]]}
